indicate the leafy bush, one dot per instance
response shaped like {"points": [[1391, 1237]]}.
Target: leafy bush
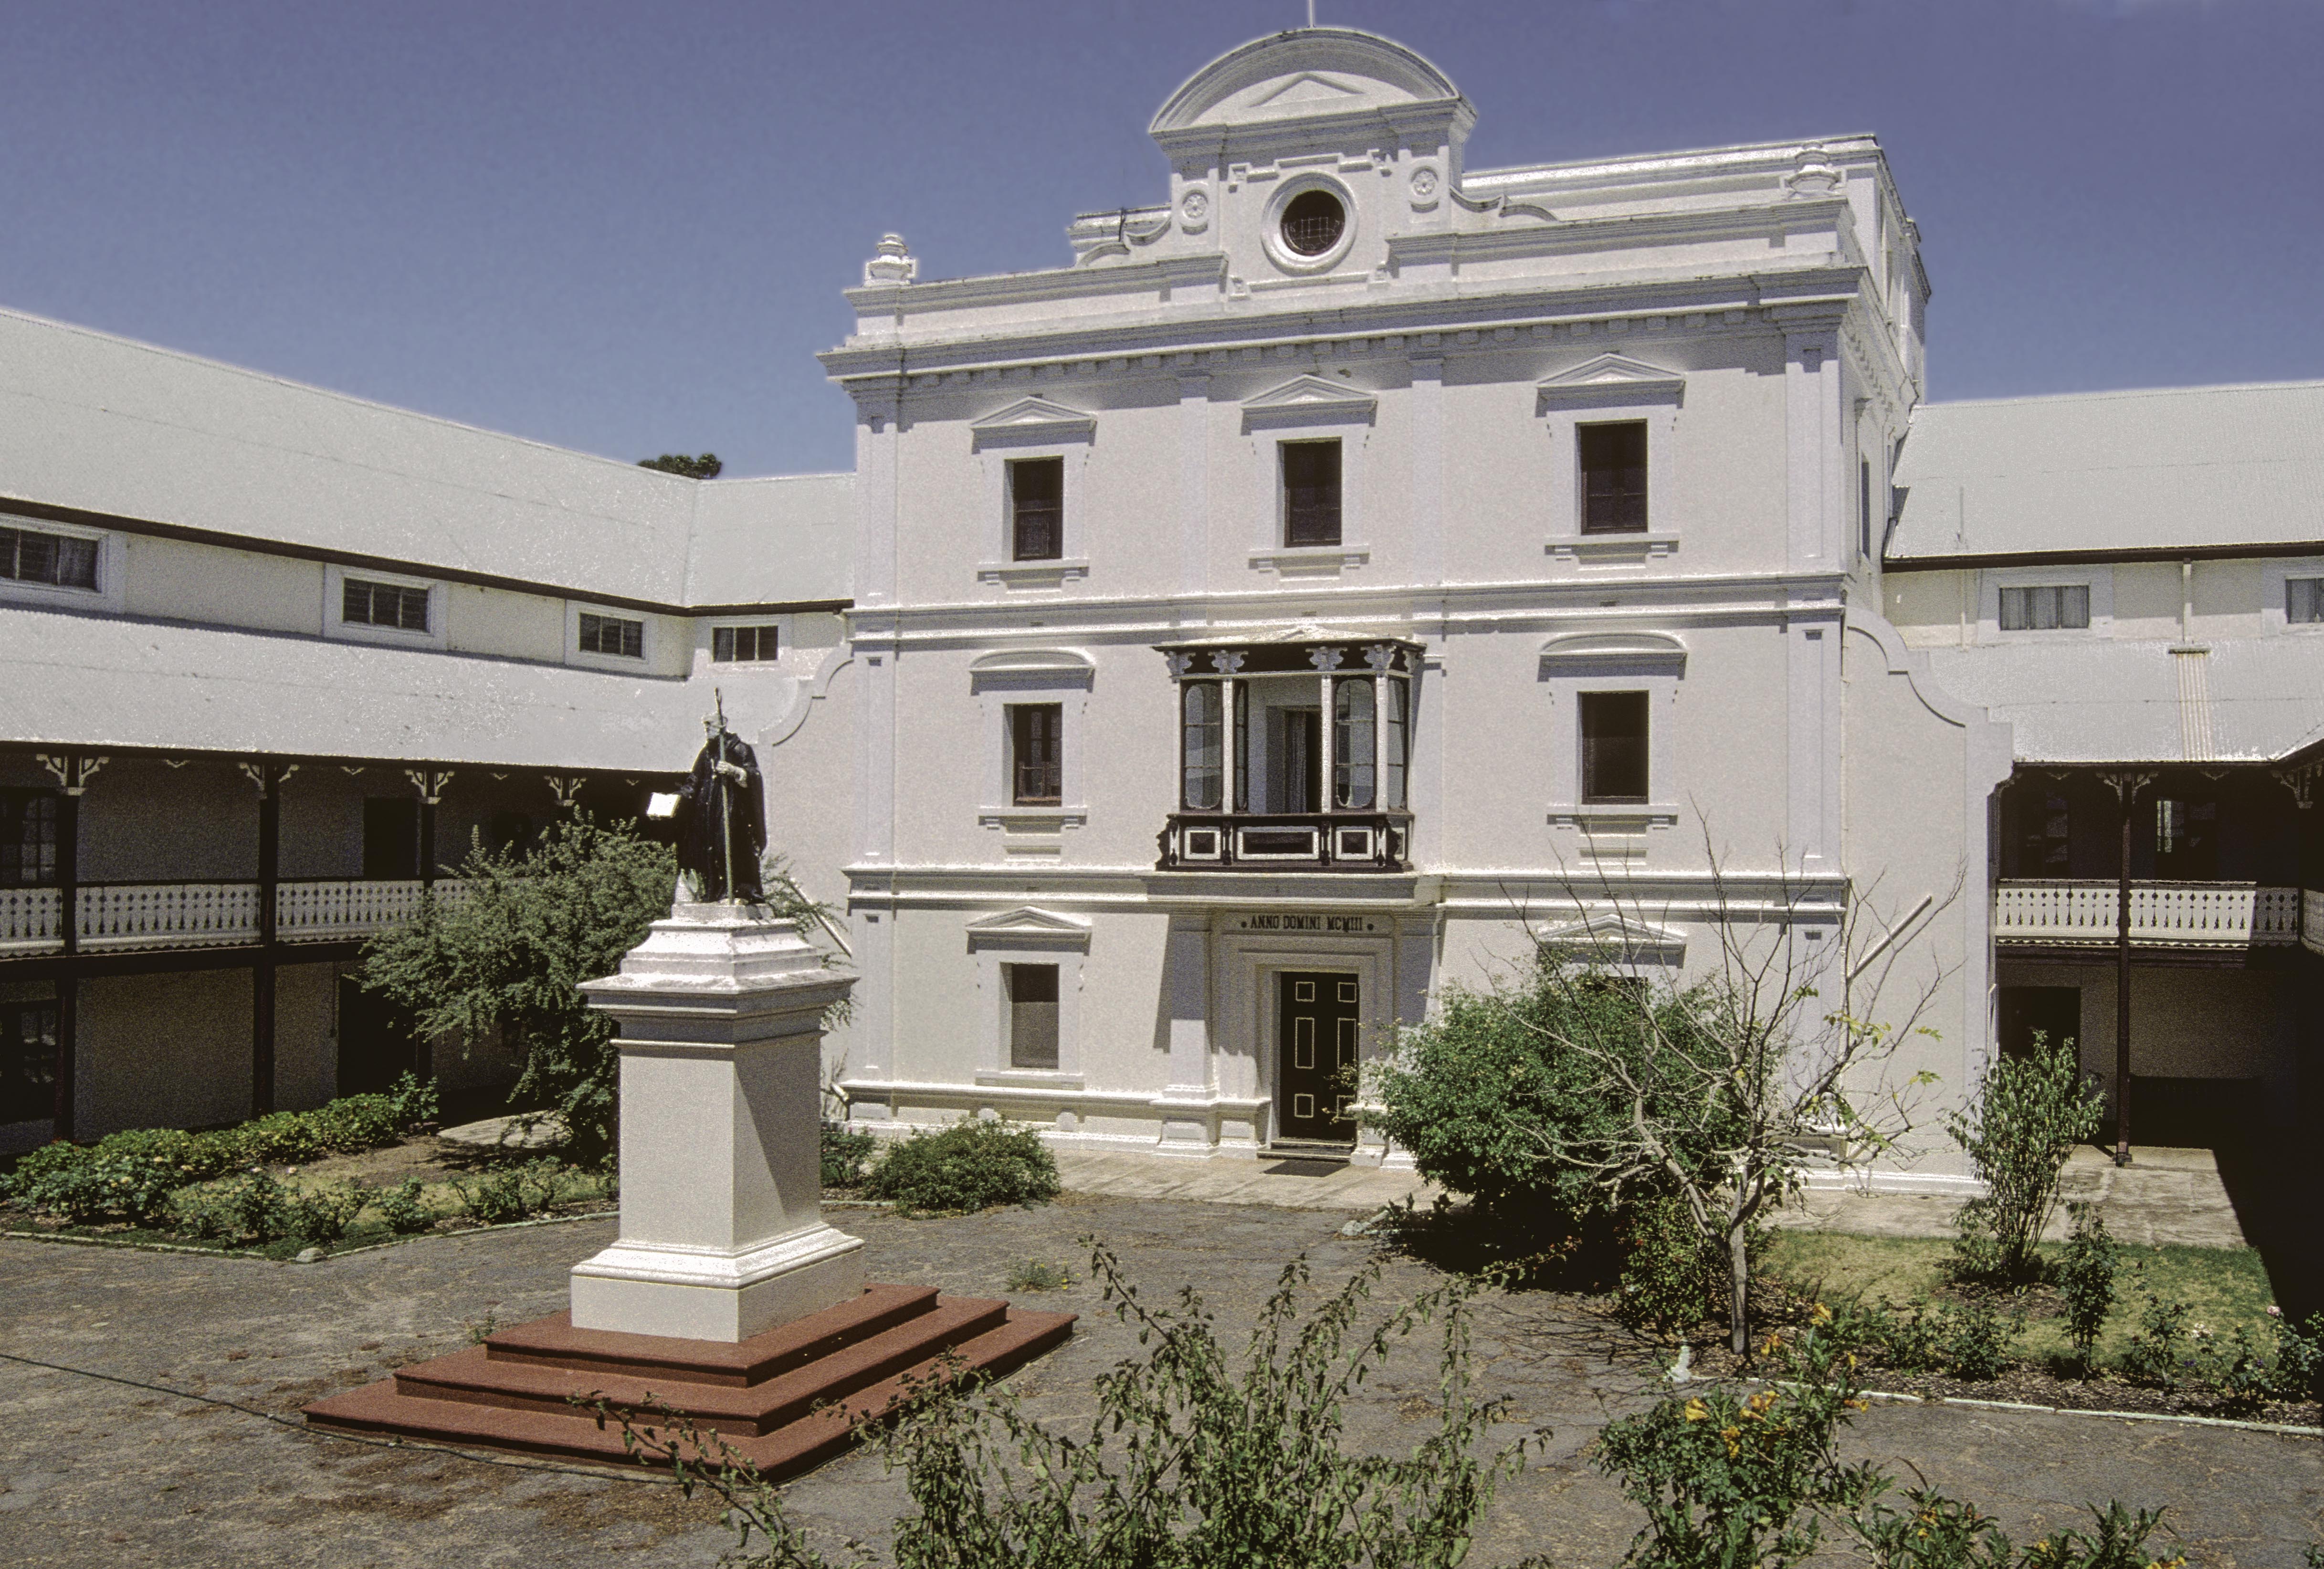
{"points": [[322, 1214], [1481, 1094], [2157, 1355], [846, 1151], [353, 1123], [403, 1209], [968, 1166], [1669, 1279], [279, 1139], [1935, 1532], [2240, 1375], [2031, 1112], [1970, 1342], [127, 1178], [513, 1192], [2084, 1279], [2299, 1370], [1977, 1341], [245, 1210]]}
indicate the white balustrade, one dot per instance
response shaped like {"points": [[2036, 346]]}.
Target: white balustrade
{"points": [[335, 911], [28, 919], [2181, 915], [168, 915]]}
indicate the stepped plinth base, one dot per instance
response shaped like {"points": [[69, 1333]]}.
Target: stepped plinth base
{"points": [[783, 1401]]}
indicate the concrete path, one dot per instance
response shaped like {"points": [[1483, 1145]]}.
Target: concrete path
{"points": [[92, 1471], [1287, 1184]]}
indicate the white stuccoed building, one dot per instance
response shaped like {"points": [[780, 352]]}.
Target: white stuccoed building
{"points": [[1345, 571], [1354, 561]]}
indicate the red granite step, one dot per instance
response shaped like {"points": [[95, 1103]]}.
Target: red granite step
{"points": [[553, 1342], [810, 1412], [473, 1376]]}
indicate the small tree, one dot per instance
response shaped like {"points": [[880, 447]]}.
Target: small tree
{"points": [[705, 465], [1724, 1086], [2026, 1120], [512, 953]]}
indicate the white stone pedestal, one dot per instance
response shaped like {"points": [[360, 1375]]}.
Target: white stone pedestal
{"points": [[723, 1237]]}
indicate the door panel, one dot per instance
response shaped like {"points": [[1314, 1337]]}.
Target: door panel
{"points": [[1318, 1020]]}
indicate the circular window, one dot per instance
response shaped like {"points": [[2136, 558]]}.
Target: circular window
{"points": [[1313, 222]]}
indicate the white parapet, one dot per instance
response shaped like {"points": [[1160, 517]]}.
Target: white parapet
{"points": [[720, 1012]]}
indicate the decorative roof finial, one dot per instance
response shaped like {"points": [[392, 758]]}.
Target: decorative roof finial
{"points": [[891, 262]]}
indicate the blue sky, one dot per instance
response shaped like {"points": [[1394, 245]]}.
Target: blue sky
{"points": [[624, 229]]}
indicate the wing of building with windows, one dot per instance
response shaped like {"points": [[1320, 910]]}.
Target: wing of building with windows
{"points": [[1344, 570]]}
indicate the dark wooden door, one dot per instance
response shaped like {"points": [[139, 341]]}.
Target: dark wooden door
{"points": [[1317, 1019], [377, 1044], [2053, 1012]]}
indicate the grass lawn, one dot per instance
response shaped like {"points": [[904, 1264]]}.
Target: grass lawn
{"points": [[2224, 1287]]}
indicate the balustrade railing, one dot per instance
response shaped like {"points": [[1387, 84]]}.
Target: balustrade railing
{"points": [[27, 919], [2311, 919], [116, 916], [2171, 915]]}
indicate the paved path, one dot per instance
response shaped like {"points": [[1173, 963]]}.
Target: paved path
{"points": [[97, 1472], [1285, 1183]]}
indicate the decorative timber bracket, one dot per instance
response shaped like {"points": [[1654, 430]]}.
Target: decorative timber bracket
{"points": [[429, 782], [567, 788], [2301, 782], [267, 775], [73, 770]]}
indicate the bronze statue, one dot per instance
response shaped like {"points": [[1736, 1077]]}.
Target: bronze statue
{"points": [[721, 819]]}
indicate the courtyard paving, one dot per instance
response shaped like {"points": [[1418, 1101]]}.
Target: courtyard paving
{"points": [[96, 1471]]}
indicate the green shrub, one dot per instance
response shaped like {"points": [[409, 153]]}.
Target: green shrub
{"points": [[513, 1192], [846, 1151], [353, 1123], [323, 1213], [2157, 1355], [85, 1184], [969, 1165], [2030, 1113], [1483, 1093], [2299, 1370], [2239, 1374], [403, 1208], [2084, 1279], [1669, 1280], [415, 1101], [1975, 1342], [245, 1210]]}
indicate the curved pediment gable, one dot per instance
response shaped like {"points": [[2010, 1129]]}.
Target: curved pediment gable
{"points": [[1035, 420], [1626, 650], [1309, 400], [1612, 376], [1032, 669], [1296, 75]]}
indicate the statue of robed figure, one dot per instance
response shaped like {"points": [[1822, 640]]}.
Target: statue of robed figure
{"points": [[720, 817]]}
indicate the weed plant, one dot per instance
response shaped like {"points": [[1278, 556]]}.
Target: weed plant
{"points": [[1035, 1276], [846, 1153], [403, 1209]]}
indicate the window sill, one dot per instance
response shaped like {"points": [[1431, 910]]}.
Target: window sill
{"points": [[1311, 560], [1587, 550], [1054, 574], [1029, 1078], [1614, 818], [1032, 830], [393, 637]]}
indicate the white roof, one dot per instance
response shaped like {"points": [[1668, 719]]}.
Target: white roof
{"points": [[98, 681], [2250, 699], [107, 425], [2109, 472]]}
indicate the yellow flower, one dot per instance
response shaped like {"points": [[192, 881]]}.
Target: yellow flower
{"points": [[1696, 1411], [1733, 1437], [1821, 1314]]}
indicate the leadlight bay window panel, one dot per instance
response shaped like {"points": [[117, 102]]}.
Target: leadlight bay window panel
{"points": [[1614, 748], [28, 839], [1036, 509], [1397, 744], [1032, 1016], [613, 634], [2303, 600], [391, 604], [1037, 754], [2046, 607], [1355, 743], [1311, 493], [28, 1061], [1242, 746], [1613, 459], [742, 645], [1203, 743], [37, 556]]}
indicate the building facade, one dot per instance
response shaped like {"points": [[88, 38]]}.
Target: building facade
{"points": [[1340, 575]]}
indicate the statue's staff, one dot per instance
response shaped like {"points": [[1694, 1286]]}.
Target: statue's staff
{"points": [[724, 771]]}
